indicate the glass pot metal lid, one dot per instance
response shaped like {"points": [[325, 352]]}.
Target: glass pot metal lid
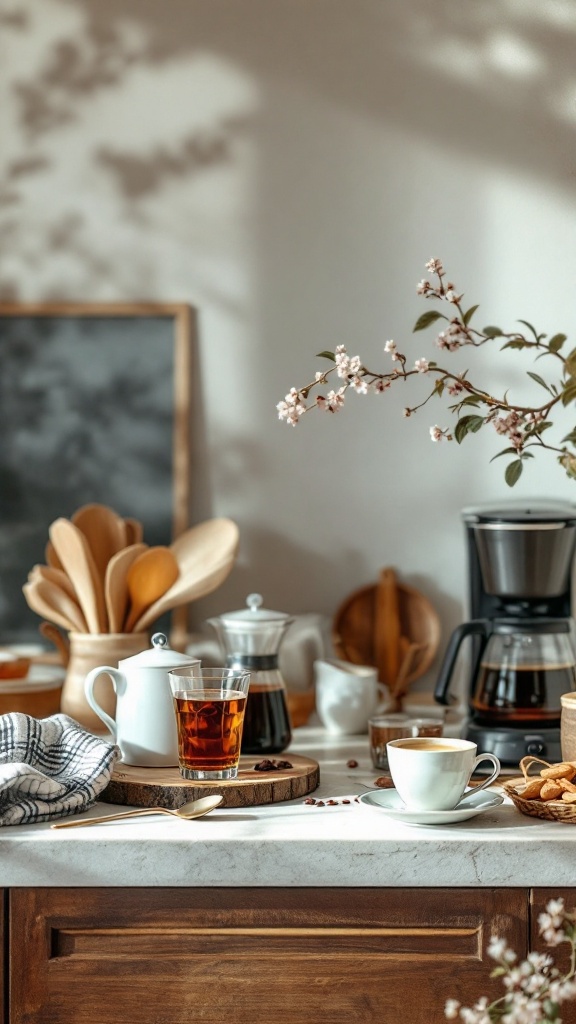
{"points": [[159, 655], [524, 513], [253, 616]]}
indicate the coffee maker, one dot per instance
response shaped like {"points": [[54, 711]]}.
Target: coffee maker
{"points": [[520, 557]]}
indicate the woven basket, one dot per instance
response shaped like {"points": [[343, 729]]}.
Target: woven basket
{"points": [[549, 810]]}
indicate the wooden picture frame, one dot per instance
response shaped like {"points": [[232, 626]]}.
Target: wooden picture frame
{"points": [[33, 338]]}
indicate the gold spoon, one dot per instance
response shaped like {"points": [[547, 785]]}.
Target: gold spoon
{"points": [[194, 809]]}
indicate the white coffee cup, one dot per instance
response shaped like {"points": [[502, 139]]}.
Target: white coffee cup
{"points": [[431, 774], [346, 695]]}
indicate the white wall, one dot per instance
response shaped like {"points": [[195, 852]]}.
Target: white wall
{"points": [[288, 166]]}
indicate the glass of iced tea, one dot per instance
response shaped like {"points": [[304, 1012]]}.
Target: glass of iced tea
{"points": [[209, 705]]}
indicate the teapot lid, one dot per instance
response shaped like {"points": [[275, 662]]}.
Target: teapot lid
{"points": [[160, 655], [253, 615]]}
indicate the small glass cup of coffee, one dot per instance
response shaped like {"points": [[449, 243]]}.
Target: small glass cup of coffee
{"points": [[395, 726], [209, 704]]}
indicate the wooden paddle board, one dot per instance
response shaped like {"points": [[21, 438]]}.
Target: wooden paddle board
{"points": [[165, 787]]}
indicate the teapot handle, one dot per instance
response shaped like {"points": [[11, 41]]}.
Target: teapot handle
{"points": [[89, 682]]}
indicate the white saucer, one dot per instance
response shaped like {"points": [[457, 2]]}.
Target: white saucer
{"points": [[387, 802]]}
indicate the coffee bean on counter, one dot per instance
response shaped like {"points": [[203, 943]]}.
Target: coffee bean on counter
{"points": [[271, 766], [319, 803], [345, 801], [352, 763], [309, 800]]}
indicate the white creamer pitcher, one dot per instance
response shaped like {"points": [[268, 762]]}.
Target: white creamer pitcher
{"points": [[145, 723]]}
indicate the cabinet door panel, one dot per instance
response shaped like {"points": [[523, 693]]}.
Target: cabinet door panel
{"points": [[254, 956], [538, 900]]}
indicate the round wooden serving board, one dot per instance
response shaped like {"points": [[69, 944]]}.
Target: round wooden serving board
{"points": [[165, 787]]}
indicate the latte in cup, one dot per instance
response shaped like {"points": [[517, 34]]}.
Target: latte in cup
{"points": [[432, 774]]}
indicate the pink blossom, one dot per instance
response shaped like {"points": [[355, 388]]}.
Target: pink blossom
{"points": [[435, 266], [292, 408], [333, 402], [360, 385], [381, 385], [422, 365], [437, 434], [451, 1009]]}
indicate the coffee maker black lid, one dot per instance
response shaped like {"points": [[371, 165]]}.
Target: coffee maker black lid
{"points": [[522, 512]]}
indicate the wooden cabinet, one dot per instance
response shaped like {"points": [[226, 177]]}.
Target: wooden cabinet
{"points": [[254, 956]]}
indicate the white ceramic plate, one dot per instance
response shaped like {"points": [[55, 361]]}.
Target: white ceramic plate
{"points": [[387, 802]]}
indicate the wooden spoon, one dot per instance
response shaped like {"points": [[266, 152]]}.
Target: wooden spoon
{"points": [[205, 555], [116, 592], [105, 532], [74, 553], [47, 600], [51, 557], [134, 531], [148, 578], [57, 576]]}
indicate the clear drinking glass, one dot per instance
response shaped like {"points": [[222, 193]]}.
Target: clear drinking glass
{"points": [[209, 705], [383, 728]]}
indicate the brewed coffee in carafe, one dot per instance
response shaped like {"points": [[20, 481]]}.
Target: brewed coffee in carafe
{"points": [[523, 671], [251, 638]]}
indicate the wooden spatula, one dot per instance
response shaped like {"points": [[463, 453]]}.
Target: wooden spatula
{"points": [[387, 628], [105, 532], [74, 553], [116, 585]]}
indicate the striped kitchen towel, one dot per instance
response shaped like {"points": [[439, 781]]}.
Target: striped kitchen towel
{"points": [[49, 768]]}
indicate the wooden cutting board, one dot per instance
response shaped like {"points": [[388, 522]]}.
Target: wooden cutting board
{"points": [[165, 787]]}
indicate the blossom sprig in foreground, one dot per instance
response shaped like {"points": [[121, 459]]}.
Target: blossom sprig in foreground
{"points": [[521, 426], [535, 988]]}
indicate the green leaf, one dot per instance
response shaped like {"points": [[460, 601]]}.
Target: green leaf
{"points": [[467, 425], [470, 400], [326, 355], [530, 327], [492, 332], [505, 451], [570, 365], [538, 429], [513, 472], [539, 380], [515, 343], [428, 318], [438, 387], [556, 342], [569, 392], [469, 314], [571, 438]]}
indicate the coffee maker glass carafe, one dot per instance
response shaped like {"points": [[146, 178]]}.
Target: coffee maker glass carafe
{"points": [[251, 638], [524, 669]]}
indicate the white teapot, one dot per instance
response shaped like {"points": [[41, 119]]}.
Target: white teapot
{"points": [[145, 724]]}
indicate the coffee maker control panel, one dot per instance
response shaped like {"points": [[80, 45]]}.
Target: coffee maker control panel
{"points": [[511, 745]]}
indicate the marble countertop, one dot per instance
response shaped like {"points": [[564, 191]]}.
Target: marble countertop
{"points": [[293, 844]]}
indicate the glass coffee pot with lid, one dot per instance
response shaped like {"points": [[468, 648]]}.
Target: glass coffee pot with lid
{"points": [[251, 639], [523, 668]]}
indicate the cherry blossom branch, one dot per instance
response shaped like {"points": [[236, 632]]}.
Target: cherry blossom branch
{"points": [[521, 425]]}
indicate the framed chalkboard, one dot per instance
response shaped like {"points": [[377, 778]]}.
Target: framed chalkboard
{"points": [[94, 407]]}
